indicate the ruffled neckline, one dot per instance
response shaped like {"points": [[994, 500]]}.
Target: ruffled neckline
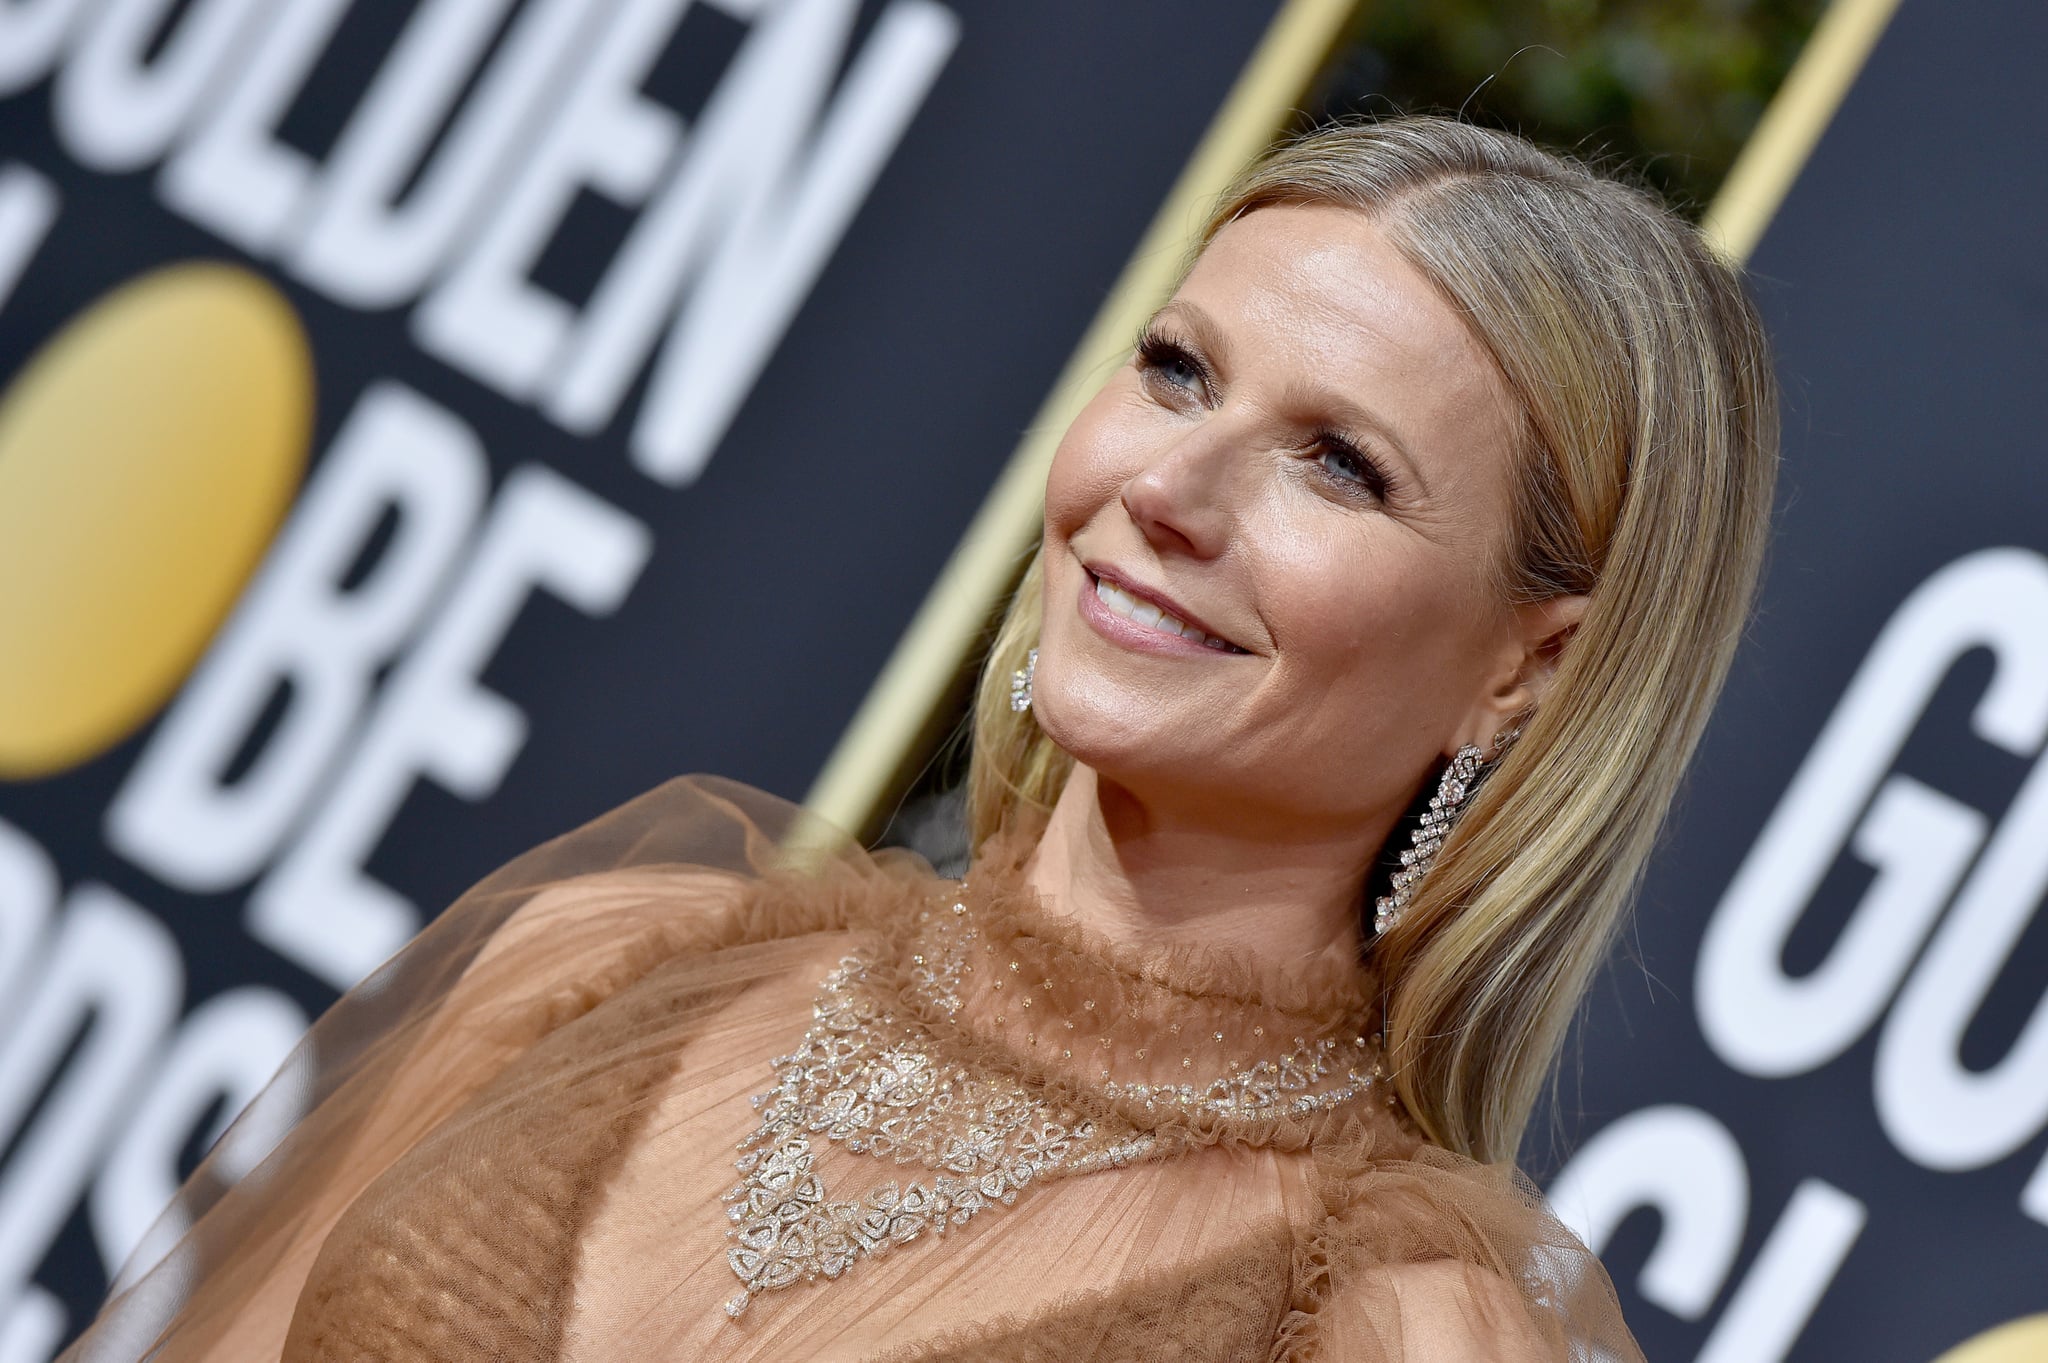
{"points": [[1320, 993], [1000, 979]]}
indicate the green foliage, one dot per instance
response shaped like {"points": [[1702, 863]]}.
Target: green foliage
{"points": [[1671, 87]]}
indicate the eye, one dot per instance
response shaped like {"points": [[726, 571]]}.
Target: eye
{"points": [[1347, 463], [1167, 361], [1180, 371]]}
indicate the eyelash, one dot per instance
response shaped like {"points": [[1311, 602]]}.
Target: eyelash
{"points": [[1369, 472], [1157, 353]]}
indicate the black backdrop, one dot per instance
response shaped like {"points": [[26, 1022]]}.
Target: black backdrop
{"points": [[1833, 1079], [641, 617], [1779, 1158]]}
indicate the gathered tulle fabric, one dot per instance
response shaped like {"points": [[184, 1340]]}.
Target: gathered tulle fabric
{"points": [[517, 1141]]}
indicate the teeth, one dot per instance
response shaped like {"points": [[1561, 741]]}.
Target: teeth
{"points": [[1151, 617]]}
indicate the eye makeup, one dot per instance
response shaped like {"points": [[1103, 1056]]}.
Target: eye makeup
{"points": [[1165, 359], [1161, 355]]}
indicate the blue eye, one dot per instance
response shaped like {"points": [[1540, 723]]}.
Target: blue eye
{"points": [[1174, 364], [1347, 463], [1179, 371], [1344, 464]]}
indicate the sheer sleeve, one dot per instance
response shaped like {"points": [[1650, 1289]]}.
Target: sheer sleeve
{"points": [[1439, 1259], [516, 1141], [532, 947]]}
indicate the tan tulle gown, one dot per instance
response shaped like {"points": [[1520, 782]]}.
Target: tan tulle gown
{"points": [[524, 1136]]}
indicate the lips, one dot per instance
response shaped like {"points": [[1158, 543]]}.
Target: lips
{"points": [[1128, 604]]}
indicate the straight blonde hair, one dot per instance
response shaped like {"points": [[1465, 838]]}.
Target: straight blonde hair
{"points": [[1648, 453]]}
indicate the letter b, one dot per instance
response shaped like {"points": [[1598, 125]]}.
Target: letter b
{"points": [[306, 627]]}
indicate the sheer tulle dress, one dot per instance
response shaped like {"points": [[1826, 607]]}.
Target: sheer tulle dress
{"points": [[704, 1080]]}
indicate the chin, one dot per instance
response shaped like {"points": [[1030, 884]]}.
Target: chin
{"points": [[1128, 743]]}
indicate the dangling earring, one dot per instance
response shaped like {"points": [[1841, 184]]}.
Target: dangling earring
{"points": [[1020, 683], [1456, 783]]}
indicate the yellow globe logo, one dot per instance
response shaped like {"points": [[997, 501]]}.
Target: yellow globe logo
{"points": [[2019, 1341], [147, 454]]}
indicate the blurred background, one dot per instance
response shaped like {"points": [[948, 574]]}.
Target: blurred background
{"points": [[1669, 88], [1662, 92], [427, 424]]}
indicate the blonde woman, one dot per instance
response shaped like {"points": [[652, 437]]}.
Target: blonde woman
{"points": [[1382, 596]]}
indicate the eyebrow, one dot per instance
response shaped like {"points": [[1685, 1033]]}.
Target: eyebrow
{"points": [[1301, 393], [1201, 327]]}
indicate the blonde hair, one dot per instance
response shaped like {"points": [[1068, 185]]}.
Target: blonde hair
{"points": [[1648, 454]]}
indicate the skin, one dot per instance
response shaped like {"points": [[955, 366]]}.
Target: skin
{"points": [[1240, 797]]}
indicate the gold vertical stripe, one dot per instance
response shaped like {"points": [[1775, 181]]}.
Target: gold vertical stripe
{"points": [[947, 626], [1798, 114]]}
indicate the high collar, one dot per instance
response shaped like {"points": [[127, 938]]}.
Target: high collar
{"points": [[1263, 1046]]}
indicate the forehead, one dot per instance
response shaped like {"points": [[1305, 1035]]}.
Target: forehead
{"points": [[1316, 305], [1328, 280]]}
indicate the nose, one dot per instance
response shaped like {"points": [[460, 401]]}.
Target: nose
{"points": [[1181, 499]]}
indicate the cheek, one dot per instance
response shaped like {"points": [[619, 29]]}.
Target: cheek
{"points": [[1383, 624], [1103, 448]]}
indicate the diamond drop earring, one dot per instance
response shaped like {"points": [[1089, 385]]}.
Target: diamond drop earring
{"points": [[1460, 775], [1020, 683]]}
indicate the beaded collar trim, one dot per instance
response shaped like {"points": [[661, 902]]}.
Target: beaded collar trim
{"points": [[870, 1078]]}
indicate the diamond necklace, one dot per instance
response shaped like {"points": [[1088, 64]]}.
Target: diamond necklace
{"points": [[866, 1077]]}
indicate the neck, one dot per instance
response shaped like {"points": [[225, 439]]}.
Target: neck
{"points": [[1144, 871]]}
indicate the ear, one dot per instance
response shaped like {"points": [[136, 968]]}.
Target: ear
{"points": [[1528, 658]]}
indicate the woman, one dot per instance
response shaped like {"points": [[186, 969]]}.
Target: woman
{"points": [[1382, 596]]}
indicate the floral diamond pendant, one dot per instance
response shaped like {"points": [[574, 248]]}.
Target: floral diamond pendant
{"points": [[866, 1080]]}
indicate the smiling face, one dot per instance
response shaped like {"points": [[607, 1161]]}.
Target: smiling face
{"points": [[1308, 467]]}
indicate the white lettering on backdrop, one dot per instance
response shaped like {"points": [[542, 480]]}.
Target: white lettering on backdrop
{"points": [[1950, 896], [453, 172], [1921, 843]]}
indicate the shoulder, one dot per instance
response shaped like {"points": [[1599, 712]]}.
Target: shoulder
{"points": [[681, 859], [1442, 1312], [563, 947], [693, 867], [1433, 1256], [650, 897]]}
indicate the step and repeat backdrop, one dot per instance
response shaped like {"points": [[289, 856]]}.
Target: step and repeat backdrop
{"points": [[425, 425], [1811, 1115]]}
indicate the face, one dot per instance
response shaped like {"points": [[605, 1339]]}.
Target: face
{"points": [[1270, 539]]}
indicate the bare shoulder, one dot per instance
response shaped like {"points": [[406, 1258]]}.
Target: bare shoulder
{"points": [[1447, 1312]]}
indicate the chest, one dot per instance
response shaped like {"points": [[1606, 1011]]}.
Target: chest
{"points": [[577, 1216]]}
